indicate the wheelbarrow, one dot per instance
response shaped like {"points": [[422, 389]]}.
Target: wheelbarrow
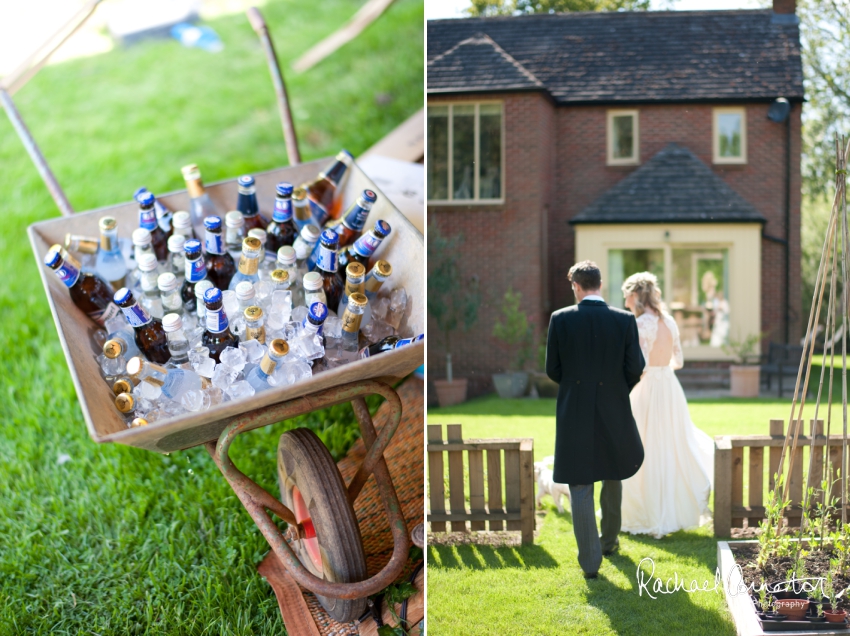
{"points": [[322, 548]]}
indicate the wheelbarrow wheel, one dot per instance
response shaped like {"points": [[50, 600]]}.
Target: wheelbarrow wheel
{"points": [[311, 486]]}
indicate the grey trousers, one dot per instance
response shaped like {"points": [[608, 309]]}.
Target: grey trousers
{"points": [[590, 546]]}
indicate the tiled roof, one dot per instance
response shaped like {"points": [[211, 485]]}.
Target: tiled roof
{"points": [[672, 187], [636, 56]]}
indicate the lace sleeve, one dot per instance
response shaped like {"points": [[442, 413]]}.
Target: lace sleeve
{"points": [[677, 361], [647, 330]]}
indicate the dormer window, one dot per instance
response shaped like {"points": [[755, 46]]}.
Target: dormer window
{"points": [[623, 140]]}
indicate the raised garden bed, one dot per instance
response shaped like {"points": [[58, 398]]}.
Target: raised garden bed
{"points": [[742, 602]]}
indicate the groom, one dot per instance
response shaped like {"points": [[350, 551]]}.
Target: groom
{"points": [[593, 353]]}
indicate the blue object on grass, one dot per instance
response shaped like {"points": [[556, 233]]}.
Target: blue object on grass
{"points": [[202, 37]]}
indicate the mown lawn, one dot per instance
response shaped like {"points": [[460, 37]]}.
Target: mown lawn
{"points": [[540, 589], [123, 541]]}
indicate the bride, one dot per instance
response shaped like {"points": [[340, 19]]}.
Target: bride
{"points": [[670, 491]]}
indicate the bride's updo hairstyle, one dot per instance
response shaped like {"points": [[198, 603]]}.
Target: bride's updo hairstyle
{"points": [[648, 296]]}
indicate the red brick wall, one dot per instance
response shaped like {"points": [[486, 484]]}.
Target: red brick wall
{"points": [[556, 166]]}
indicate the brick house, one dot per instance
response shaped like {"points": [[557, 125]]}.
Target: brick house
{"points": [[663, 141]]}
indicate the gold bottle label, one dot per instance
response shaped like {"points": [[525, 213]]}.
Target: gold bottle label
{"points": [[256, 333], [373, 284], [351, 322], [195, 188], [268, 365], [356, 288], [248, 266]]}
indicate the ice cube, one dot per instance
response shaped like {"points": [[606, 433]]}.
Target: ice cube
{"points": [[172, 408], [332, 327], [198, 354], [223, 376], [264, 289], [233, 357], [231, 303], [290, 329], [115, 323], [299, 314], [275, 320], [282, 298], [239, 390], [398, 305], [195, 401], [300, 370], [380, 307], [309, 347], [253, 350], [376, 331], [206, 368], [153, 416], [149, 390], [215, 394]]}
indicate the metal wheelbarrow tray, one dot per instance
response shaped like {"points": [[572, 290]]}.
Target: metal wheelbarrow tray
{"points": [[404, 249]]}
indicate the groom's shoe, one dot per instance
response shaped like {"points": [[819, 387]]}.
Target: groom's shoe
{"points": [[613, 550], [591, 575]]}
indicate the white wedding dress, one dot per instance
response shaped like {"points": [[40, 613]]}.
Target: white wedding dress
{"points": [[670, 491]]}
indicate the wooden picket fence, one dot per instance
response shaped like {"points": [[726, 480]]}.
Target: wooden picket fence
{"points": [[514, 511], [729, 466]]}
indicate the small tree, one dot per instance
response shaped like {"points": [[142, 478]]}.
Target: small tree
{"points": [[453, 300], [745, 350], [513, 329]]}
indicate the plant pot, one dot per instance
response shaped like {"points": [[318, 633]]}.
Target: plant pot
{"points": [[744, 381], [546, 387], [794, 608], [513, 384], [451, 393], [835, 617]]}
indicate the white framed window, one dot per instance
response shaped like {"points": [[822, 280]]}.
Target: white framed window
{"points": [[623, 138], [466, 153], [729, 135]]}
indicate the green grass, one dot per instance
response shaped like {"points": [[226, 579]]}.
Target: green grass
{"points": [[539, 589], [120, 540]]}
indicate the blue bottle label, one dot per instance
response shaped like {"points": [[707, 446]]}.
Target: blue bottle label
{"points": [[147, 219], [327, 259], [196, 270], [282, 210], [403, 342], [136, 315], [163, 216], [366, 244], [68, 273], [364, 353], [356, 218], [216, 320], [320, 215], [213, 243]]}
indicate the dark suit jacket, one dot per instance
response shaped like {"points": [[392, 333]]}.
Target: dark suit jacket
{"points": [[593, 353]]}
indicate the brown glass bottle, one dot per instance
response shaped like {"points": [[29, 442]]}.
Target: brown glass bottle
{"points": [[148, 220], [281, 231], [326, 266], [323, 192], [246, 203], [89, 292], [351, 226], [150, 336], [217, 335], [220, 264]]}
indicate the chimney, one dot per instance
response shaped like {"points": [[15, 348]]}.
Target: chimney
{"points": [[785, 6]]}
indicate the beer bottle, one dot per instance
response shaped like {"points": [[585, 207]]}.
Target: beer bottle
{"points": [[281, 231], [324, 192], [355, 274], [317, 313], [196, 270], [254, 324], [363, 248], [150, 336], [110, 262], [351, 226], [246, 203], [249, 264], [258, 377], [217, 336], [147, 220], [220, 265], [388, 344], [88, 291], [163, 214], [200, 204], [375, 279], [351, 318], [300, 208], [326, 266]]}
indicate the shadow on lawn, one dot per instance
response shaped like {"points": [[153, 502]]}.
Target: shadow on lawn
{"points": [[481, 557]]}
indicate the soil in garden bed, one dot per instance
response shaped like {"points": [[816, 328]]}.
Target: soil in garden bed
{"points": [[776, 570]]}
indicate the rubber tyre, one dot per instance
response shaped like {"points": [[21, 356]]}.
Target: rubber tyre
{"points": [[306, 468]]}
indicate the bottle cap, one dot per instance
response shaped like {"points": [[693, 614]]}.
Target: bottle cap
{"points": [[141, 237], [253, 313], [181, 219], [310, 233], [112, 349], [145, 199], [258, 233], [369, 196], [107, 223], [279, 347], [123, 295], [358, 299], [280, 276], [147, 262], [191, 172], [246, 184], [355, 270], [134, 366], [192, 247], [251, 246], [166, 282], [299, 194], [245, 290], [312, 281], [139, 192], [330, 238], [382, 229], [284, 189], [344, 156], [212, 223], [139, 421], [383, 268], [122, 386], [317, 313], [212, 295], [124, 402], [201, 287], [286, 255], [172, 322], [176, 243], [234, 219], [54, 256]]}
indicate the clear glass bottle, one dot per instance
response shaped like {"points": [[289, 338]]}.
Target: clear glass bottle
{"points": [[169, 293], [173, 382], [89, 292], [267, 259], [247, 204], [245, 294], [280, 280], [281, 231], [351, 318], [317, 313], [148, 220], [126, 405], [196, 271], [150, 288], [220, 264], [249, 263], [375, 279], [325, 191], [217, 336], [286, 261], [177, 256], [121, 343], [234, 233], [314, 289], [200, 204], [254, 324], [304, 247], [178, 343], [110, 263], [149, 334], [327, 264], [182, 224], [300, 209], [201, 289], [258, 377], [141, 245], [355, 275]]}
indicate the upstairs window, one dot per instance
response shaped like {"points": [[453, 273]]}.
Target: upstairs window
{"points": [[730, 135], [623, 148], [465, 144]]}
